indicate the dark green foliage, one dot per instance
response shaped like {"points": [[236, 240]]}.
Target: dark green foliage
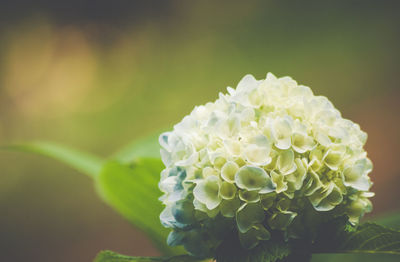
{"points": [[109, 256], [266, 251], [368, 238]]}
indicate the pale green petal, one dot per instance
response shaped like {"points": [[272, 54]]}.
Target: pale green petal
{"points": [[278, 179], [249, 240], [323, 139], [261, 141], [217, 158], [203, 208], [255, 98], [268, 200], [228, 171], [285, 162], [283, 143], [326, 198], [295, 180], [356, 176], [357, 208], [282, 131], [316, 154], [333, 158], [249, 196], [333, 199], [283, 204], [219, 161], [227, 190], [281, 220], [257, 152], [270, 187], [320, 194], [232, 146], [302, 91], [229, 207], [252, 237], [363, 183], [257, 155], [262, 232], [213, 213], [315, 162], [249, 215], [289, 194], [209, 171], [199, 206], [233, 124], [313, 183], [274, 158], [252, 178], [207, 192], [368, 165], [247, 82], [302, 143]]}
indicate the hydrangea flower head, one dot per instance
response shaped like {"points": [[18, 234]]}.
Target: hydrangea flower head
{"points": [[268, 156]]}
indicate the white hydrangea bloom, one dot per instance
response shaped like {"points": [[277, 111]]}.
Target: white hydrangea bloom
{"points": [[255, 159]]}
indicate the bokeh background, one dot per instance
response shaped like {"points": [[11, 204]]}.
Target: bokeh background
{"points": [[97, 74]]}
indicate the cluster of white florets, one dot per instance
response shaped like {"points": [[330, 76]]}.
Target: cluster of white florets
{"points": [[254, 159]]}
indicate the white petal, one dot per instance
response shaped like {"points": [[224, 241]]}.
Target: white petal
{"points": [[229, 171], [248, 81], [207, 192], [252, 178], [285, 162]]}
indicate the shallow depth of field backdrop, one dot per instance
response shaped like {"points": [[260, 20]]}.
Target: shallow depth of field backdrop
{"points": [[97, 74]]}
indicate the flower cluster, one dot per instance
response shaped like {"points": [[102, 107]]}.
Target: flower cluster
{"points": [[255, 159]]}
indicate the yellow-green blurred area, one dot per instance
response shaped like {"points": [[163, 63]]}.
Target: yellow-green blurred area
{"points": [[97, 74]]}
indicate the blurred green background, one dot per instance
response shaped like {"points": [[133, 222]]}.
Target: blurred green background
{"points": [[97, 74]]}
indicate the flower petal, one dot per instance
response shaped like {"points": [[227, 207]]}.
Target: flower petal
{"points": [[251, 238], [302, 143], [249, 196], [227, 190], [285, 162], [281, 220], [183, 211], [229, 171], [268, 200], [229, 207], [252, 178], [278, 179], [249, 215], [281, 130], [207, 192]]}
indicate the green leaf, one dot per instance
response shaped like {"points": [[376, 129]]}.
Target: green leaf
{"points": [[354, 258], [266, 251], [133, 191], [372, 238], [368, 238], [109, 256], [143, 147], [83, 162], [391, 220]]}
